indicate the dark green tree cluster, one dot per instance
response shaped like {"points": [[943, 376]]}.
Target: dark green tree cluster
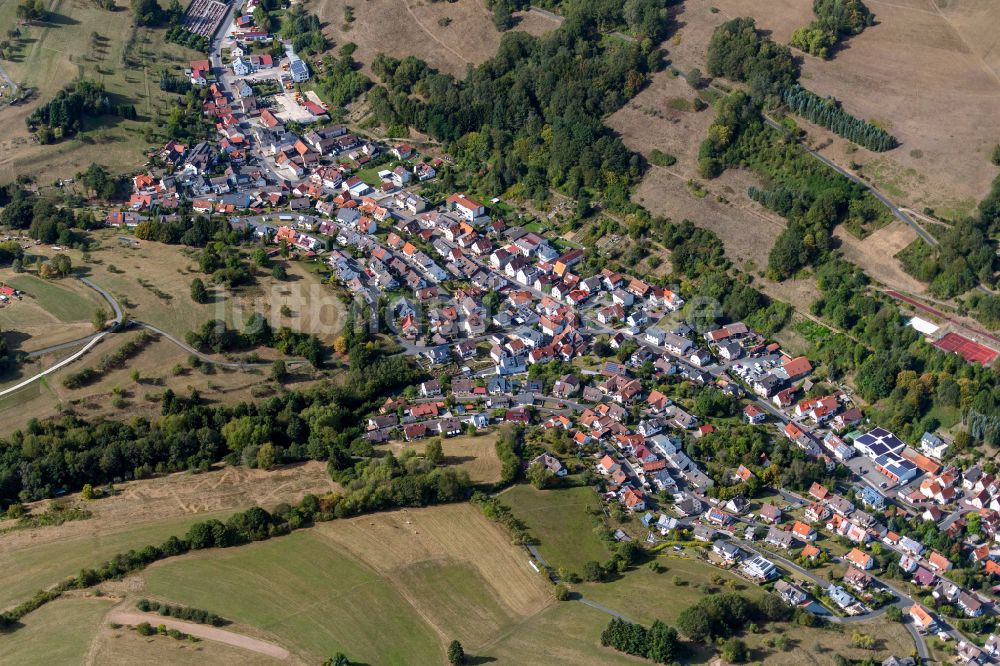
{"points": [[738, 52], [195, 231], [217, 337], [835, 19], [46, 221], [532, 115], [147, 12], [304, 30], [63, 115], [103, 184], [185, 37], [659, 643], [829, 114], [340, 81], [185, 120], [32, 10], [174, 84], [723, 615], [198, 615]]}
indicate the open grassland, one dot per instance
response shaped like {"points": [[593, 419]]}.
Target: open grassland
{"points": [[124, 646], [152, 282], [82, 40], [387, 588], [665, 598], [561, 522], [476, 455], [57, 633], [569, 633], [143, 512], [450, 36]]}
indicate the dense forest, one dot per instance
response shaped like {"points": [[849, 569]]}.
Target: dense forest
{"points": [[828, 113], [964, 256], [835, 20], [323, 423], [531, 116], [643, 19], [736, 51]]}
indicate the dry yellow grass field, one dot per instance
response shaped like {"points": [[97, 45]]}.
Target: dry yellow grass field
{"points": [[403, 28], [125, 647], [428, 552], [476, 454], [935, 66]]}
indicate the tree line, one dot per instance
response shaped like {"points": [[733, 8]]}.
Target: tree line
{"points": [[198, 615], [324, 423], [828, 113]]}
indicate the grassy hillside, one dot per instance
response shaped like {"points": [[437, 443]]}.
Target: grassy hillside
{"points": [[82, 40], [560, 521], [58, 633], [422, 577]]}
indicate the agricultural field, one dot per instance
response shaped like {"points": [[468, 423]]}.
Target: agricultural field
{"points": [[560, 520], [476, 455], [58, 633], [450, 36], [428, 576], [82, 40], [142, 512]]}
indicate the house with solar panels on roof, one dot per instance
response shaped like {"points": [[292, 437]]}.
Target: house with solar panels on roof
{"points": [[885, 450]]}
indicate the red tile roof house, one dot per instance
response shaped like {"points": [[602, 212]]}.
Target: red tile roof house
{"points": [[797, 368], [860, 559], [921, 617]]}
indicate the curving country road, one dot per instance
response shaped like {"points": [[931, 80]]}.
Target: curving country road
{"points": [[91, 340]]}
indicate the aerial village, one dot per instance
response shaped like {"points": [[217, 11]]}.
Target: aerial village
{"points": [[490, 308]]}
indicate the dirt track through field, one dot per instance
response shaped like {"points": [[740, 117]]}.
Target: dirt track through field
{"points": [[202, 631]]}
